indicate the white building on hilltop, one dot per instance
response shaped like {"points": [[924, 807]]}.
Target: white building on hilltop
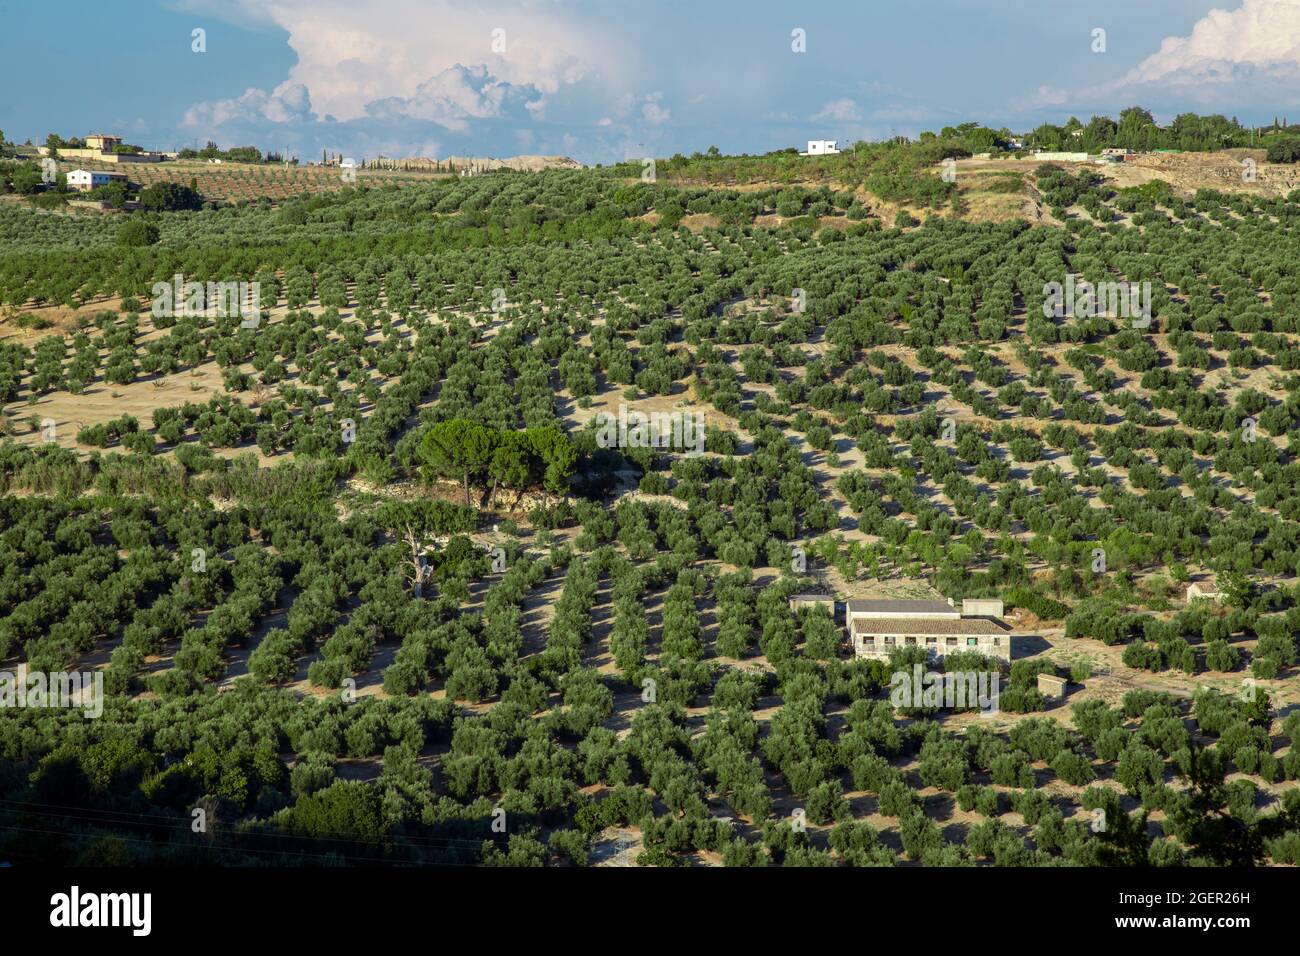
{"points": [[821, 147]]}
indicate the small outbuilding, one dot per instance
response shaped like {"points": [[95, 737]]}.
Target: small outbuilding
{"points": [[1204, 591], [982, 607], [1052, 687], [800, 601]]}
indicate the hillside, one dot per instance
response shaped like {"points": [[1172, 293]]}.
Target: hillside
{"points": [[362, 554]]}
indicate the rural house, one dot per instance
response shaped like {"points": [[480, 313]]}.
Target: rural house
{"points": [[102, 142], [877, 627], [84, 180], [821, 147], [99, 148]]}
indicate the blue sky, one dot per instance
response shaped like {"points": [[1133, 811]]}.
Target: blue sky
{"points": [[601, 80]]}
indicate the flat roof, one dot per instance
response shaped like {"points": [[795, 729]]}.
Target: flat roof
{"points": [[874, 606], [891, 626]]}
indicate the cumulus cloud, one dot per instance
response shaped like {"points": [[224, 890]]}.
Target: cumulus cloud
{"points": [[1240, 60], [353, 52], [406, 73], [288, 102], [1262, 35], [455, 96]]}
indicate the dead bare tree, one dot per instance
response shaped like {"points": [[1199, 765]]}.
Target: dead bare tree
{"points": [[418, 568]]}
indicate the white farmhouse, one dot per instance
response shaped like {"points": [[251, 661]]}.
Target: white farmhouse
{"points": [[821, 147], [84, 180], [877, 627]]}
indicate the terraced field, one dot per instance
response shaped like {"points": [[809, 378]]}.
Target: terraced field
{"points": [[242, 182]]}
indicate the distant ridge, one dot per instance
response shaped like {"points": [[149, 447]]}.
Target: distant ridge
{"points": [[478, 164]]}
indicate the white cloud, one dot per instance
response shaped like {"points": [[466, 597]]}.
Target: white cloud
{"points": [[1225, 45], [1242, 60], [397, 75], [288, 102], [353, 52], [456, 96], [654, 112], [841, 110]]}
